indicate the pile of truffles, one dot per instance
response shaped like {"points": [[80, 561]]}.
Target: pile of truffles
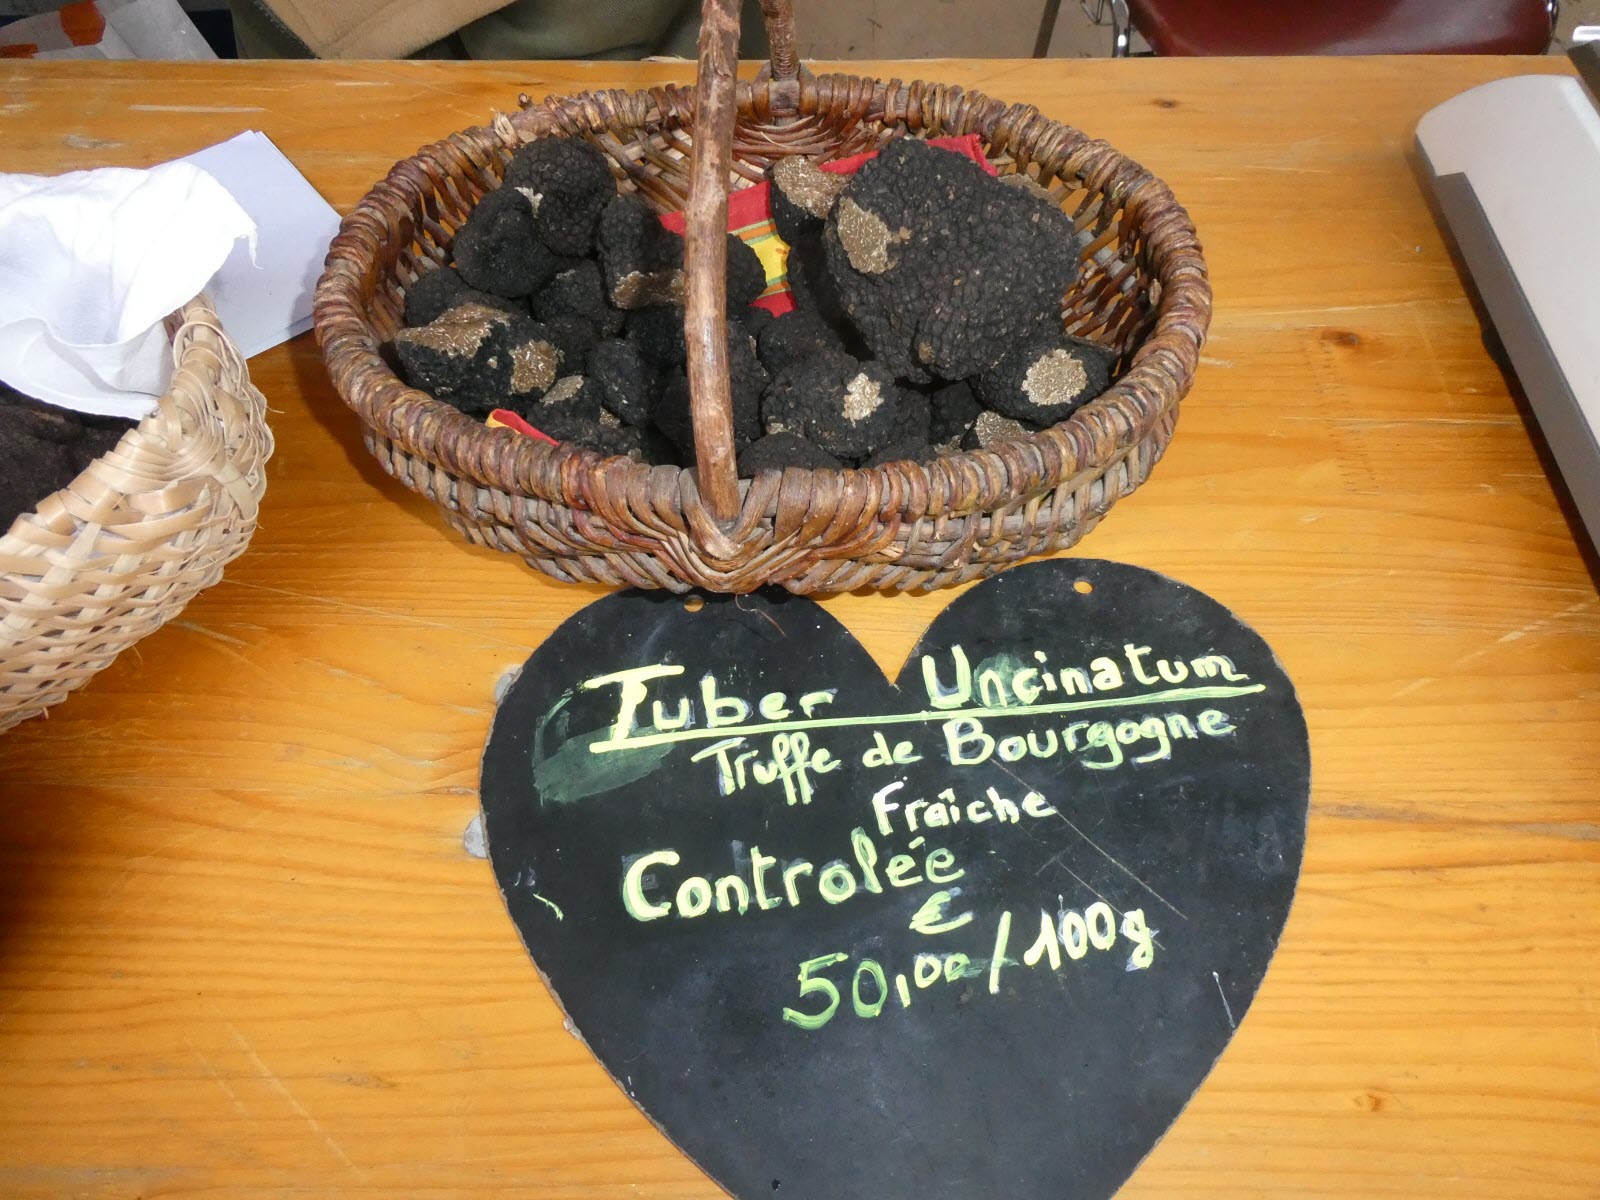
{"points": [[927, 314], [44, 448]]}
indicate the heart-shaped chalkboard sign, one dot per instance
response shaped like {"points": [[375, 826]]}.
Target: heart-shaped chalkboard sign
{"points": [[981, 933]]}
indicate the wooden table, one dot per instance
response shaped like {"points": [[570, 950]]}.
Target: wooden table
{"points": [[244, 952]]}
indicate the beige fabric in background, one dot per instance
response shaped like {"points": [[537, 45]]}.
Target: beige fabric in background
{"points": [[375, 28], [483, 29]]}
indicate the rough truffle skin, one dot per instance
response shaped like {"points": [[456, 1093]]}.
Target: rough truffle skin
{"points": [[641, 260], [579, 291], [954, 408], [802, 195], [572, 397], [796, 336], [755, 319], [991, 428], [747, 278], [575, 338], [431, 294], [669, 413], [845, 406], [775, 451], [496, 251], [812, 285], [463, 357], [913, 417], [658, 334], [790, 220], [596, 434], [567, 184], [917, 450], [536, 364], [436, 292], [628, 381], [747, 381], [942, 268], [1046, 378]]}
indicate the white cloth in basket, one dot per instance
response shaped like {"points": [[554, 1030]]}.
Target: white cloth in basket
{"points": [[91, 263]]}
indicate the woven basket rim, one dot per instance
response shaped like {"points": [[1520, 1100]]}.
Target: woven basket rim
{"points": [[148, 524], [1162, 363]]}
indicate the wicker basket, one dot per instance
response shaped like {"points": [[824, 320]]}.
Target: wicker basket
{"points": [[124, 546], [570, 513]]}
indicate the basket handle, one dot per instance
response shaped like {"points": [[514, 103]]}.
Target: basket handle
{"points": [[705, 233], [779, 18]]}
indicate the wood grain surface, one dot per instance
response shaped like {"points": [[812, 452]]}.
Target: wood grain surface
{"points": [[244, 953]]}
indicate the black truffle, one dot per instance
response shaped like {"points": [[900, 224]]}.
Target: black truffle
{"points": [[578, 291], [435, 292], [812, 285], [496, 251], [755, 319], [1045, 378], [954, 409], [575, 338], [802, 195], [658, 335], [608, 439], [942, 268], [913, 417], [462, 357], [567, 184], [911, 449], [845, 406], [794, 337], [628, 382], [775, 451], [432, 294], [25, 417], [572, 397], [991, 428], [747, 380], [669, 413], [536, 363], [641, 259], [747, 278]]}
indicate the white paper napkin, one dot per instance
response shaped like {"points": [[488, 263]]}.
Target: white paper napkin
{"points": [[91, 262]]}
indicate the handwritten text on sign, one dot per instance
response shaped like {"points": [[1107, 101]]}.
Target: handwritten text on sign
{"points": [[1118, 712]]}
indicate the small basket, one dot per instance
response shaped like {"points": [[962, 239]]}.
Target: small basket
{"points": [[122, 548], [568, 512]]}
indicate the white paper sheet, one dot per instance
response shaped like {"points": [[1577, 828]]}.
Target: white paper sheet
{"points": [[268, 301]]}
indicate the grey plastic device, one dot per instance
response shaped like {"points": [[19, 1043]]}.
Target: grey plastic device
{"points": [[1515, 167]]}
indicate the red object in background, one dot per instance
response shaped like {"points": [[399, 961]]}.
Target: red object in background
{"points": [[82, 23], [1254, 27], [78, 24]]}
